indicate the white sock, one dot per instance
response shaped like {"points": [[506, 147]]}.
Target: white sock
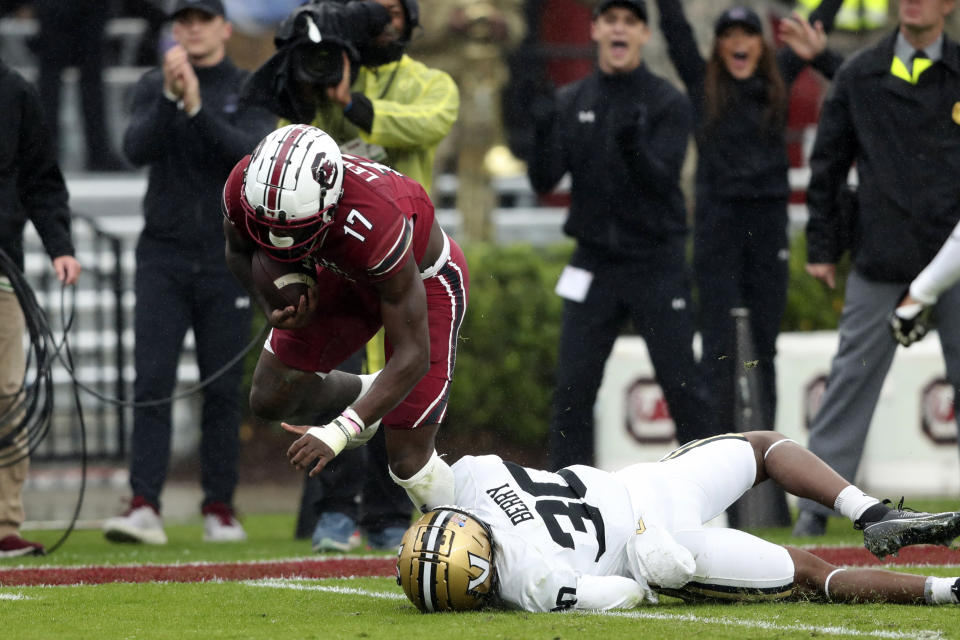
{"points": [[852, 502], [366, 381], [430, 487], [940, 590]]}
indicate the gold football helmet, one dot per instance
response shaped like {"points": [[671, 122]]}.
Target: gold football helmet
{"points": [[446, 562]]}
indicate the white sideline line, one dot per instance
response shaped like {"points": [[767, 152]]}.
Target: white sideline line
{"points": [[280, 583], [769, 626], [14, 596]]}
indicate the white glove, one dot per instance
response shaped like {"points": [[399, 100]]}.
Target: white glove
{"points": [[910, 322], [661, 560]]}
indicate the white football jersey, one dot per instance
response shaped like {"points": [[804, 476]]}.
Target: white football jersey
{"points": [[548, 528]]}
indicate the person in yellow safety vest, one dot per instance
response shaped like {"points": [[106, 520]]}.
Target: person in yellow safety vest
{"points": [[854, 15], [394, 110]]}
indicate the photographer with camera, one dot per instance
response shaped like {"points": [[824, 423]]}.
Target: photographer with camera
{"points": [[343, 68]]}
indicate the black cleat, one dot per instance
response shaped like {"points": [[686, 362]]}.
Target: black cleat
{"points": [[902, 527]]}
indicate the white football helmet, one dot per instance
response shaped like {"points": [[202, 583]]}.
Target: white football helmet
{"points": [[291, 189], [445, 562]]}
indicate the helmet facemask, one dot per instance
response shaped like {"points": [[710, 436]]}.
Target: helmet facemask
{"points": [[446, 562], [291, 190]]}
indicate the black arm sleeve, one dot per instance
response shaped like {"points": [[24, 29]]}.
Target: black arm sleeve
{"points": [[40, 184], [827, 62], [654, 145], [833, 153], [683, 50], [825, 12], [151, 115], [360, 112], [225, 141], [547, 164]]}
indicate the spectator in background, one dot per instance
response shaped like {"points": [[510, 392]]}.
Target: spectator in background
{"points": [[187, 126], [380, 104], [72, 34], [893, 111], [31, 187], [622, 134], [741, 251], [859, 23]]}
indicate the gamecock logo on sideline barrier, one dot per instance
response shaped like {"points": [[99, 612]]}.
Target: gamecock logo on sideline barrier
{"points": [[648, 419], [937, 417]]}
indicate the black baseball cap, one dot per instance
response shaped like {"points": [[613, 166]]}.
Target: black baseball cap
{"points": [[212, 7], [639, 7], [741, 16]]}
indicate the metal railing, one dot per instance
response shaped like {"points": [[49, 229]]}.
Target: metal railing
{"points": [[96, 342]]}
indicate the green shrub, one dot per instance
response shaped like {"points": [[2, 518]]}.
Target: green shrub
{"points": [[508, 343], [811, 306]]}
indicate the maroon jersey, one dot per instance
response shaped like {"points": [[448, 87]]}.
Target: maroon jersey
{"points": [[382, 218]]}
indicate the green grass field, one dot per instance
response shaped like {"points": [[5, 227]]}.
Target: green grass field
{"points": [[376, 608]]}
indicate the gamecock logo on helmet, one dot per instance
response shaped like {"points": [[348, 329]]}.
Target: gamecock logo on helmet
{"points": [[324, 171]]}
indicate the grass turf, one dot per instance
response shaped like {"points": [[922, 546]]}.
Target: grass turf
{"points": [[375, 607]]}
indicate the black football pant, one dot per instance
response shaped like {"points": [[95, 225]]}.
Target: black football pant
{"points": [[71, 34], [178, 289], [741, 259], [654, 293]]}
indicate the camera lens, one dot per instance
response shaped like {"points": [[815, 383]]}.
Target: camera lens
{"points": [[318, 64]]}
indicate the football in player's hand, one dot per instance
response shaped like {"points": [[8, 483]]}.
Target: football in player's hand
{"points": [[282, 283]]}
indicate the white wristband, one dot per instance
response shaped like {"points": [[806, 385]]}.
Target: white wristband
{"points": [[338, 433]]}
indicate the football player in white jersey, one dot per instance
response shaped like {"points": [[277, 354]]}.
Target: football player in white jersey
{"points": [[912, 317], [588, 539]]}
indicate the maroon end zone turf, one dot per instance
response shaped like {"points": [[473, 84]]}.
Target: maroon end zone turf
{"points": [[919, 555], [312, 568], [344, 567]]}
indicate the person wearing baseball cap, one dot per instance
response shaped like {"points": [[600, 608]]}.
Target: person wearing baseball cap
{"points": [[639, 7], [209, 7], [738, 16], [739, 97], [621, 132], [188, 126]]}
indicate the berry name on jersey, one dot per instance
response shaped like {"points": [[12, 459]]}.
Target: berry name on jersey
{"points": [[510, 503]]}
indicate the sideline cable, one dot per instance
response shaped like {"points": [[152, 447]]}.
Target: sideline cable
{"points": [[26, 421]]}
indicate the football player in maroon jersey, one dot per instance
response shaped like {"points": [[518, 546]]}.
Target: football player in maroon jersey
{"points": [[381, 260]]}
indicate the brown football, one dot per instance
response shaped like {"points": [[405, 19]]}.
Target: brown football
{"points": [[282, 283]]}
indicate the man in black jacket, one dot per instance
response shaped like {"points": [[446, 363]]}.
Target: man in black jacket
{"points": [[187, 125], [621, 133], [894, 110], [31, 187]]}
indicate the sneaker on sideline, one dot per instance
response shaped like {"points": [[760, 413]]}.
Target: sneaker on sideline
{"points": [[14, 546], [902, 527], [388, 538], [335, 532], [140, 523], [220, 524]]}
